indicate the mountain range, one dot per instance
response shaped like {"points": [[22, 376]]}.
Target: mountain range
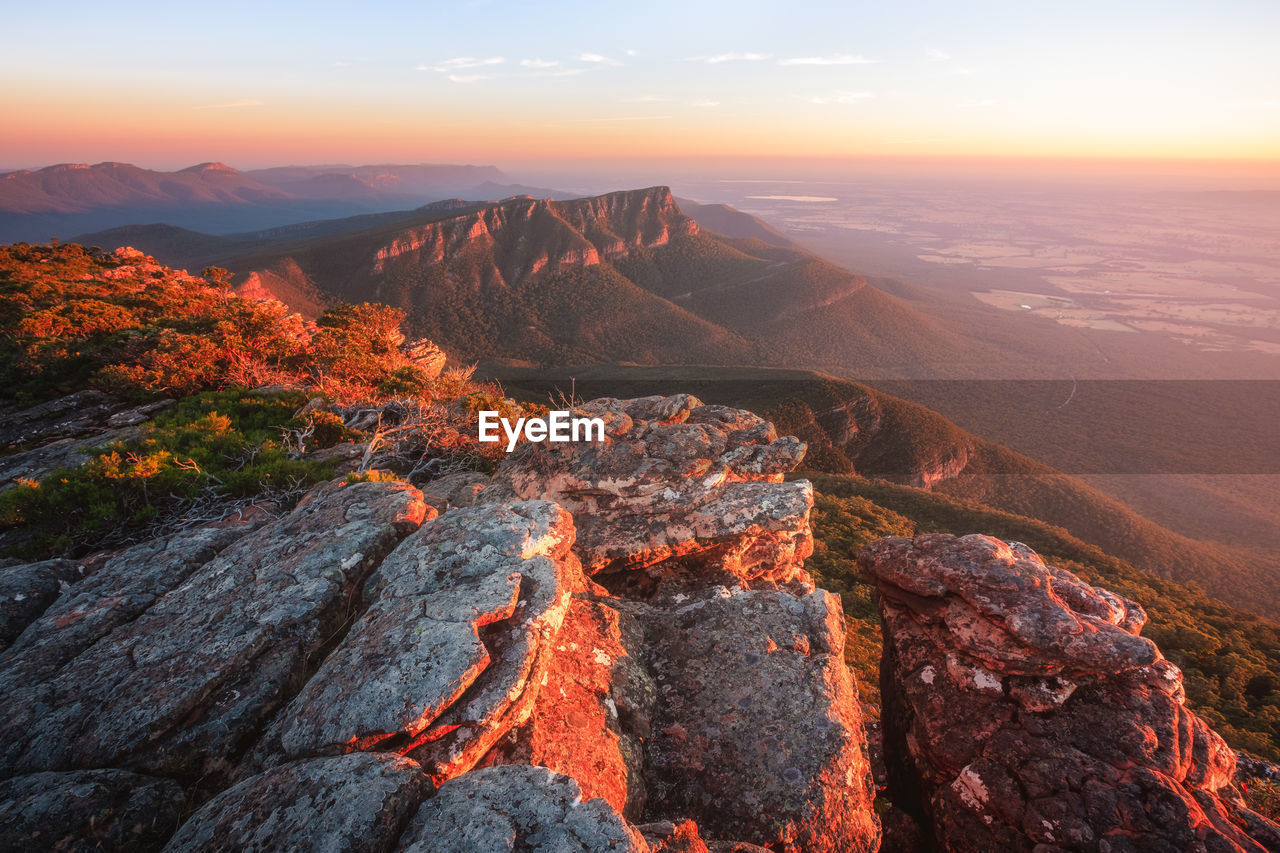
{"points": [[632, 277], [66, 199]]}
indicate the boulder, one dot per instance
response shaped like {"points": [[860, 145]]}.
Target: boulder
{"points": [[452, 491], [1022, 710], [180, 689], [88, 810], [122, 588], [27, 589], [517, 808], [453, 646], [425, 355], [758, 734], [357, 803], [691, 493]]}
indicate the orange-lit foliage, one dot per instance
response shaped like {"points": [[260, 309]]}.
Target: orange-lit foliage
{"points": [[72, 317]]}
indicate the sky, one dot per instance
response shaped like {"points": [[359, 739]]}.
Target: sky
{"points": [[521, 83]]}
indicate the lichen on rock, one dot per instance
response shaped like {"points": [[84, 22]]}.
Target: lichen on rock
{"points": [[1023, 710]]}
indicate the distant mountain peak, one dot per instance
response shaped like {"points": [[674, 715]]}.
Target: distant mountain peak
{"points": [[212, 166]]}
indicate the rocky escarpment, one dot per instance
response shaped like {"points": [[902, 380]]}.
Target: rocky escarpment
{"points": [[568, 233], [1023, 711], [610, 646]]}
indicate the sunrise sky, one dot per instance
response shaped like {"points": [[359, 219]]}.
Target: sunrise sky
{"points": [[257, 84]]}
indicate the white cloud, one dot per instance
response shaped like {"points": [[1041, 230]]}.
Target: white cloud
{"points": [[539, 63], [231, 105], [469, 78], [460, 62], [718, 58], [936, 55], [646, 99], [837, 98], [704, 102], [597, 58], [977, 104], [630, 52], [832, 59]]}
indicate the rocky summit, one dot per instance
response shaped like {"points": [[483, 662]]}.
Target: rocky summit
{"points": [[1022, 711], [605, 646]]}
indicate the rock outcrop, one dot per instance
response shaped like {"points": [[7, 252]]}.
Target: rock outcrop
{"points": [[1023, 711], [176, 690], [358, 802], [64, 432], [757, 733], [607, 646], [88, 810], [674, 479], [517, 808], [415, 669]]}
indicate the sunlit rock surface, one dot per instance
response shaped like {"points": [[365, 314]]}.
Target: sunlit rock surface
{"points": [[676, 488], [607, 646], [1022, 710]]}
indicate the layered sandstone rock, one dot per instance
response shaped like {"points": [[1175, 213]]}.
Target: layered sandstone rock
{"points": [[1022, 710], [415, 668], [673, 479], [311, 681], [176, 690], [357, 802], [757, 734]]}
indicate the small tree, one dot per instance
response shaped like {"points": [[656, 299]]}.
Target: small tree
{"points": [[217, 276]]}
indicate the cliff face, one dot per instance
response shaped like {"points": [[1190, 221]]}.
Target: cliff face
{"points": [[531, 279], [626, 623], [1023, 711], [524, 236]]}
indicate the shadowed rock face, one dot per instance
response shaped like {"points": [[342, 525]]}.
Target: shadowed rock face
{"points": [[88, 810], [355, 802], [121, 590], [177, 689], [1022, 710], [27, 589], [757, 734], [517, 808]]}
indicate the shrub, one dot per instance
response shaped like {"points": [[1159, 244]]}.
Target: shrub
{"points": [[209, 447]]}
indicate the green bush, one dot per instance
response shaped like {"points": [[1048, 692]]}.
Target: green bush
{"points": [[223, 444]]}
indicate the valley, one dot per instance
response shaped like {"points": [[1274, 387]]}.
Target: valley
{"points": [[1176, 263]]}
